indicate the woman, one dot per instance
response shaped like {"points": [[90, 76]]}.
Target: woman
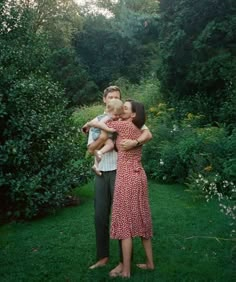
{"points": [[131, 215]]}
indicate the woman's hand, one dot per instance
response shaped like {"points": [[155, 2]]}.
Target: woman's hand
{"points": [[128, 144]]}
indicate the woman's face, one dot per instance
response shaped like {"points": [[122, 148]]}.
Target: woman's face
{"points": [[127, 114]]}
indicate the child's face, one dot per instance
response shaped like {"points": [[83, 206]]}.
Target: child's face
{"points": [[115, 116]]}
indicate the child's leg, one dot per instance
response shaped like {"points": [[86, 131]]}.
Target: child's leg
{"points": [[95, 167], [109, 145], [97, 144]]}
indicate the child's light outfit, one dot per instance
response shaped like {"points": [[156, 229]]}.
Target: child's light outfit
{"points": [[95, 132]]}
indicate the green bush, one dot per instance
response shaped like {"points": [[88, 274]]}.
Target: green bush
{"points": [[40, 153], [146, 92], [161, 157], [182, 150]]}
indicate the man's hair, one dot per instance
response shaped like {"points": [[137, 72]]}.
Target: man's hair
{"points": [[137, 108], [111, 89], [115, 105]]}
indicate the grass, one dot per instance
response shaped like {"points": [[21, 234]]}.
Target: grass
{"points": [[191, 243]]}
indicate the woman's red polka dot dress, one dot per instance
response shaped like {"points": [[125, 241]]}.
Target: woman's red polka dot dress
{"points": [[131, 214]]}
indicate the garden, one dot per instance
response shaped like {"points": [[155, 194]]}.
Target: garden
{"points": [[178, 59]]}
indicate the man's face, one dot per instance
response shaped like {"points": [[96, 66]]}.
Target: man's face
{"points": [[111, 95]]}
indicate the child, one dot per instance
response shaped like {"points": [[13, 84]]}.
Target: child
{"points": [[114, 109]]}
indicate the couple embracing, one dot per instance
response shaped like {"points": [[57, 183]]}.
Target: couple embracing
{"points": [[120, 181]]}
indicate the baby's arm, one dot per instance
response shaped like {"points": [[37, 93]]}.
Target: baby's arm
{"points": [[101, 125]]}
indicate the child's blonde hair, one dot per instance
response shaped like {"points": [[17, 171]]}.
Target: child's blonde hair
{"points": [[115, 105]]}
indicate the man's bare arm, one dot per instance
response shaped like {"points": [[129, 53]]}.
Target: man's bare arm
{"points": [[85, 127], [128, 144]]}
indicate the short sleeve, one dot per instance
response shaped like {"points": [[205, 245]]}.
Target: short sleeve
{"points": [[144, 127], [117, 125]]}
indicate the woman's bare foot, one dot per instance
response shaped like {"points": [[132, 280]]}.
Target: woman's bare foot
{"points": [[146, 266], [116, 271], [125, 275], [101, 262]]}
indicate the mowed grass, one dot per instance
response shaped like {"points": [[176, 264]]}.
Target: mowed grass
{"points": [[191, 243]]}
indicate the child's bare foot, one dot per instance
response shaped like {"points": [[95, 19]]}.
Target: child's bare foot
{"points": [[98, 155], [101, 262], [145, 266], [96, 170]]}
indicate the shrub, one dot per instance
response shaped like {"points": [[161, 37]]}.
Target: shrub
{"points": [[179, 150], [40, 152], [214, 186], [146, 92]]}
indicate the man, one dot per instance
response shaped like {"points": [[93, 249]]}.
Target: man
{"points": [[104, 184]]}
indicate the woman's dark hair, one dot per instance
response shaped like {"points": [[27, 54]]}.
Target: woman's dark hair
{"points": [[137, 108]]}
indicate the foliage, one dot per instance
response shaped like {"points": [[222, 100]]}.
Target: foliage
{"points": [[65, 68], [146, 92], [148, 6], [129, 33], [197, 42], [212, 186], [40, 157], [180, 150], [83, 114], [40, 153], [80, 116]]}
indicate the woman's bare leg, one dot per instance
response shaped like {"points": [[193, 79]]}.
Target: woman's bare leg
{"points": [[147, 244], [127, 252]]}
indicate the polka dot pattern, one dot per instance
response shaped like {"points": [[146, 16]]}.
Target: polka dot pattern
{"points": [[131, 214]]}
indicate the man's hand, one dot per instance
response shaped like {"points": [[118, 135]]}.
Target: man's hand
{"points": [[85, 128], [128, 144]]}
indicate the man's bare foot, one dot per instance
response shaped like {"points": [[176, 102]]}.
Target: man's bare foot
{"points": [[116, 271], [101, 262], [145, 266]]}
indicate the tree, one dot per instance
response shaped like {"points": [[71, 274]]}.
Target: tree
{"points": [[122, 45], [39, 154], [65, 68], [197, 43]]}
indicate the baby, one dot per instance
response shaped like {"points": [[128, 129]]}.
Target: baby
{"points": [[114, 109]]}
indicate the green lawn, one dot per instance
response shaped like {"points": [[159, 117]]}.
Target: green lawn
{"points": [[191, 243]]}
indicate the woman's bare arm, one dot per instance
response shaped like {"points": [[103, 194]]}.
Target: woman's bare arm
{"points": [[128, 144]]}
